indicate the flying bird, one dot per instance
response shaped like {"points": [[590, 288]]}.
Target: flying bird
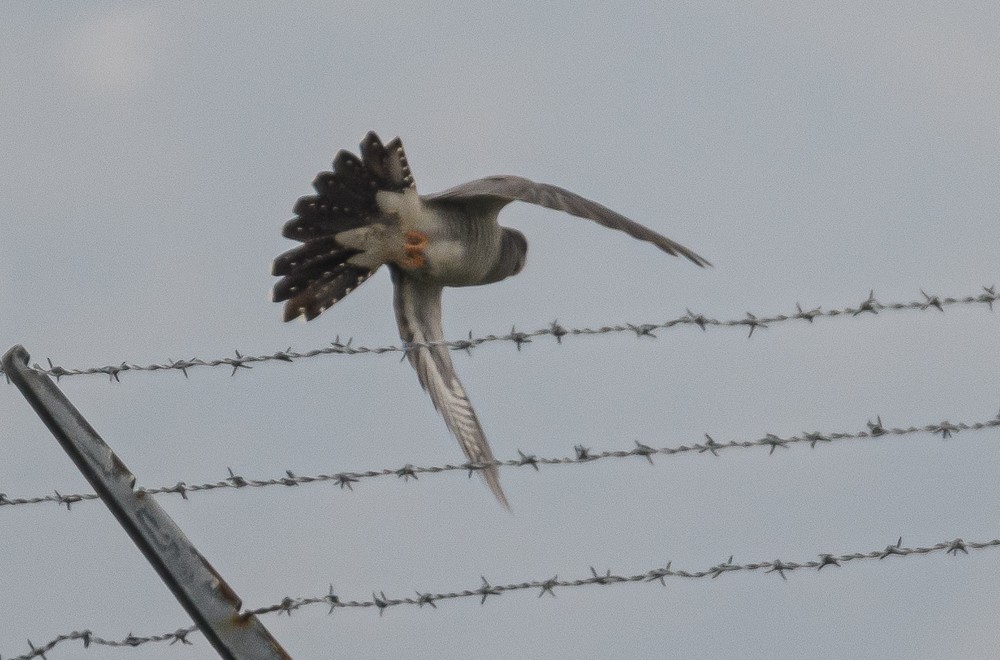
{"points": [[366, 213]]}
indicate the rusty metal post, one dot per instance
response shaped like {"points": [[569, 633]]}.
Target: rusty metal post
{"points": [[212, 604]]}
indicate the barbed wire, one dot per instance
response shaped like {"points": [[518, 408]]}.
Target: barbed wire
{"points": [[381, 602], [554, 329], [581, 455]]}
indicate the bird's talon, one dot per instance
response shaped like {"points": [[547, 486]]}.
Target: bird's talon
{"points": [[413, 250]]}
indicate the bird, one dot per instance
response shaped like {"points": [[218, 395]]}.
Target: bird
{"points": [[366, 213]]}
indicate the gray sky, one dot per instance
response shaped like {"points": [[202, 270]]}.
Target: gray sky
{"points": [[152, 153]]}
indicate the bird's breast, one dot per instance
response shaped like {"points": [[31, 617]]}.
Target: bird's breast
{"points": [[462, 248], [460, 258]]}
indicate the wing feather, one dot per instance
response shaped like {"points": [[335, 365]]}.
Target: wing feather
{"points": [[418, 313], [515, 188]]}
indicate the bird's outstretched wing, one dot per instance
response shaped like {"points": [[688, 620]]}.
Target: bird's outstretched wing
{"points": [[509, 188], [418, 313]]}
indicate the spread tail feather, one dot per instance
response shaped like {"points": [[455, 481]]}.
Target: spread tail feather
{"points": [[317, 274]]}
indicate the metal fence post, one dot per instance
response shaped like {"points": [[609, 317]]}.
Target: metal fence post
{"points": [[212, 604]]}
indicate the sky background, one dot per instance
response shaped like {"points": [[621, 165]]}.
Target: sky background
{"points": [[152, 152]]}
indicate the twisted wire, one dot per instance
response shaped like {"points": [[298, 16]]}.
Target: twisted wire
{"points": [[752, 322], [381, 602], [347, 480]]}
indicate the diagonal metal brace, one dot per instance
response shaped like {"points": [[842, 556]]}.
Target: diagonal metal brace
{"points": [[212, 604]]}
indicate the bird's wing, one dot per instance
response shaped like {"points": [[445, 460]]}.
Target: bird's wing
{"points": [[514, 188], [418, 313]]}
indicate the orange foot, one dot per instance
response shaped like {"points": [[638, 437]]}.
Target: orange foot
{"points": [[413, 250], [415, 239]]}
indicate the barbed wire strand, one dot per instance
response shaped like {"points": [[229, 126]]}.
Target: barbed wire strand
{"points": [[581, 455], [381, 602], [337, 347]]}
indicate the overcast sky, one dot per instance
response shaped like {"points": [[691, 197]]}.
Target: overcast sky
{"points": [[152, 152]]}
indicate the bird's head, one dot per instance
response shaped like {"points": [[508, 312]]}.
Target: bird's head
{"points": [[515, 244], [510, 261]]}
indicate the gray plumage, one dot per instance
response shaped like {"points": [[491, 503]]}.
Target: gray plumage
{"points": [[367, 213]]}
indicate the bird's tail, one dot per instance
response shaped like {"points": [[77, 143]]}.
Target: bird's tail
{"points": [[317, 274]]}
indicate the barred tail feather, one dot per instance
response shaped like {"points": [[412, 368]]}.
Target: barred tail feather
{"points": [[317, 274], [325, 290]]}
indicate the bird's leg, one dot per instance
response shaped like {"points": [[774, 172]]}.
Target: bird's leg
{"points": [[413, 250]]}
